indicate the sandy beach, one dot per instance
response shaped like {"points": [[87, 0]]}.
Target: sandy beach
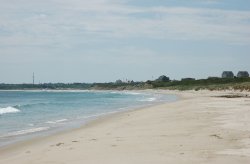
{"points": [[198, 128]]}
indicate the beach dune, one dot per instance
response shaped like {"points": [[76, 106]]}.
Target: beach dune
{"points": [[198, 128]]}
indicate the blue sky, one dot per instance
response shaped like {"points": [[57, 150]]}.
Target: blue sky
{"points": [[105, 40]]}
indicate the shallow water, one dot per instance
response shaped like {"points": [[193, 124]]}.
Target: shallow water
{"points": [[27, 113]]}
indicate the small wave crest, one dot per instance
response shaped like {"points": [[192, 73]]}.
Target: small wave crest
{"points": [[149, 99], [56, 121], [31, 105], [26, 131], [126, 92], [132, 93], [8, 109]]}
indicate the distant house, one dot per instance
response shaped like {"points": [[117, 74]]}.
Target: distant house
{"points": [[242, 74], [118, 81], [163, 78], [227, 74]]}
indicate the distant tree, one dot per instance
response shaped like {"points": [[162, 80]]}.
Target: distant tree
{"points": [[188, 79], [163, 78], [148, 82]]}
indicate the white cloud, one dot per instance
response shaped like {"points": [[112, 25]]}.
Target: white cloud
{"points": [[60, 21]]}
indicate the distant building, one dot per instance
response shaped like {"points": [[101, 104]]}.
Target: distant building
{"points": [[227, 74], [163, 78], [118, 81], [242, 74]]}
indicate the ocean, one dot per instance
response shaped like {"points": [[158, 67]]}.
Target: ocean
{"points": [[26, 114]]}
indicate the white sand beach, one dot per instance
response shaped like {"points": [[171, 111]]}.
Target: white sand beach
{"points": [[198, 128]]}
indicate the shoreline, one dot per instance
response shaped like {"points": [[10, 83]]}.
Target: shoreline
{"points": [[87, 123], [30, 137], [193, 129]]}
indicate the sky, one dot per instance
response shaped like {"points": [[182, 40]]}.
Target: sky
{"points": [[105, 40]]}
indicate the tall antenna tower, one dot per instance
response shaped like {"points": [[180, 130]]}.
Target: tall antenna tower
{"points": [[33, 78]]}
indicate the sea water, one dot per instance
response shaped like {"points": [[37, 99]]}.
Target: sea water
{"points": [[25, 114]]}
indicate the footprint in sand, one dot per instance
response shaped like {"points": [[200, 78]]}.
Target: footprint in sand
{"points": [[59, 144], [119, 140], [93, 139], [216, 136]]}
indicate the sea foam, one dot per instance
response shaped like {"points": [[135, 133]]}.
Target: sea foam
{"points": [[149, 99], [56, 121], [26, 131], [8, 109]]}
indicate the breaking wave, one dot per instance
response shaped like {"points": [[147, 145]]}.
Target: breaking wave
{"points": [[8, 109]]}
